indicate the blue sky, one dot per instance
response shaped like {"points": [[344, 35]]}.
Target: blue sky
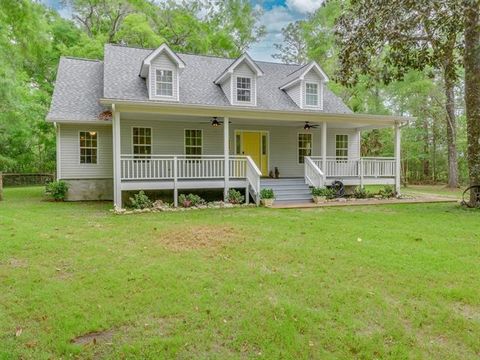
{"points": [[276, 14]]}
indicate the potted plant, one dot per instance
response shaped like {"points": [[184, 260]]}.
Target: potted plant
{"points": [[321, 195], [267, 197]]}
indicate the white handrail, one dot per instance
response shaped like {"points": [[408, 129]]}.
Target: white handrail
{"points": [[313, 175], [253, 177]]}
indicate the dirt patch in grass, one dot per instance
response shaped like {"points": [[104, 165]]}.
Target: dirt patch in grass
{"points": [[17, 263], [469, 312], [199, 237], [93, 338]]}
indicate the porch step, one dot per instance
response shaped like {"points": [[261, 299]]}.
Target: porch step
{"points": [[288, 189], [284, 181]]}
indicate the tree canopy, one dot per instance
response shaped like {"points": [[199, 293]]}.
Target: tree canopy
{"points": [[33, 37]]}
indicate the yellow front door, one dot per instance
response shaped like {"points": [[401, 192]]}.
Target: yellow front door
{"points": [[252, 146]]}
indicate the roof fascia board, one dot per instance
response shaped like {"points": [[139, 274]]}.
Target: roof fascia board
{"points": [[73, 122], [162, 48], [251, 113], [229, 70], [301, 75]]}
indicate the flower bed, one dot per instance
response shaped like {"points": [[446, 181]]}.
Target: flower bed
{"points": [[160, 206]]}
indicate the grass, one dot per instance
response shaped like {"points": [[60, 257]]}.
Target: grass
{"points": [[395, 281]]}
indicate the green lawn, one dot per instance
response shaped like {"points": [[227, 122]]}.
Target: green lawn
{"points": [[396, 281]]}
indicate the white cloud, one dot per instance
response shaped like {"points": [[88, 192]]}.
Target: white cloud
{"points": [[304, 6], [273, 20]]}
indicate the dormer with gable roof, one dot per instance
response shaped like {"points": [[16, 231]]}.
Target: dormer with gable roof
{"points": [[305, 86], [239, 81], [161, 71]]}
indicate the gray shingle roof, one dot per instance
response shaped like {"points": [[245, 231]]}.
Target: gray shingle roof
{"points": [[78, 88], [79, 84]]}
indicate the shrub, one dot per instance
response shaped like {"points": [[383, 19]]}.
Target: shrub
{"points": [[57, 190], [140, 201], [361, 193], [326, 192], [267, 194], [387, 192], [190, 200], [235, 197]]}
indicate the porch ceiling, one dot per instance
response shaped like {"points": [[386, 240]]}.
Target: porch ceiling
{"points": [[244, 121], [156, 109]]}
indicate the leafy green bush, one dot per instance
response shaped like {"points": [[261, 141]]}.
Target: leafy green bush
{"points": [[57, 190], [361, 193], [267, 194], [140, 201], [326, 192], [235, 197], [190, 200], [387, 192]]}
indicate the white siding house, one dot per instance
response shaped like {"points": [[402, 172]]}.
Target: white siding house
{"points": [[152, 119]]}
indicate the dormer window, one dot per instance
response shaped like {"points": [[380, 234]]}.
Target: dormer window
{"points": [[305, 86], [244, 89], [311, 92], [164, 82]]}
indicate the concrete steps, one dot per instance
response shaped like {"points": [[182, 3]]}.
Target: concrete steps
{"points": [[288, 189]]}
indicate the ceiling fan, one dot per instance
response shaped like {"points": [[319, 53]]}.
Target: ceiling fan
{"points": [[215, 122], [309, 126]]}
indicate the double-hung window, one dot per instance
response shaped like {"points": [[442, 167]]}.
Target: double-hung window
{"points": [[193, 142], [142, 142], [341, 146], [304, 146], [164, 82], [244, 89], [88, 147], [311, 94]]}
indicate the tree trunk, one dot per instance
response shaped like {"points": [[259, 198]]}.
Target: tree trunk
{"points": [[426, 148], [451, 125], [472, 92], [434, 150]]}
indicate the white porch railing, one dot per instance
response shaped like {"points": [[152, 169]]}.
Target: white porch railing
{"points": [[183, 167], [253, 176], [165, 167], [357, 167], [313, 175]]}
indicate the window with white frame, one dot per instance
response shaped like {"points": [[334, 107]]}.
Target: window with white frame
{"points": [[88, 147], [341, 146], [304, 147], [193, 142], [164, 82], [244, 89], [142, 141], [311, 94]]}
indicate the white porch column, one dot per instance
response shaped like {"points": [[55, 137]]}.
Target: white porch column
{"points": [[117, 190], [324, 151], [226, 139], [397, 157], [360, 161]]}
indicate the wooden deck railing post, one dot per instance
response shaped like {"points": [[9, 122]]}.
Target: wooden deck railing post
{"points": [[117, 175], [360, 170], [175, 180], [226, 153], [324, 151]]}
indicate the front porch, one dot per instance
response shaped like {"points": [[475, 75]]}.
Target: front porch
{"points": [[169, 161], [178, 172]]}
